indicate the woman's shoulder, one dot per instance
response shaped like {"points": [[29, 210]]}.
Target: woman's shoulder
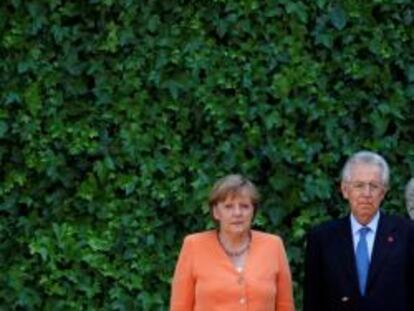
{"points": [[200, 237], [264, 237]]}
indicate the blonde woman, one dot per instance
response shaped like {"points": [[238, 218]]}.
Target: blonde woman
{"points": [[233, 267]]}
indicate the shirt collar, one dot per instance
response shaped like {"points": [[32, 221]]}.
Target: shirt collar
{"points": [[373, 224]]}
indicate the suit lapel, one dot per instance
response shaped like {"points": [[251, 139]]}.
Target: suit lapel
{"points": [[347, 248], [384, 244]]}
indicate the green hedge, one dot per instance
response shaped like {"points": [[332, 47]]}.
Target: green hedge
{"points": [[116, 118]]}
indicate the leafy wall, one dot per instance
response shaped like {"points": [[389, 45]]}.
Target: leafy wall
{"points": [[117, 116]]}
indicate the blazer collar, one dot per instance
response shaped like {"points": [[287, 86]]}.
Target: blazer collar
{"points": [[385, 241], [347, 250]]}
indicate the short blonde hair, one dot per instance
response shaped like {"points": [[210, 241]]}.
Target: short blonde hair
{"points": [[231, 186]]}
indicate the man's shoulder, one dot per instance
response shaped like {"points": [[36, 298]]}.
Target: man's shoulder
{"points": [[329, 227], [397, 220]]}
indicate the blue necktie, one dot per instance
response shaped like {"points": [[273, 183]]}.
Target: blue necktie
{"points": [[362, 259]]}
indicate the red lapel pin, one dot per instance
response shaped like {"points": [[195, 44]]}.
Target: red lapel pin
{"points": [[390, 239]]}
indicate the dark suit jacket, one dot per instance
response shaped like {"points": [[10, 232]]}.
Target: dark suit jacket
{"points": [[331, 282]]}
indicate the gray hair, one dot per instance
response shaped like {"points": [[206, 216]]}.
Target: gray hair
{"points": [[409, 197], [370, 158]]}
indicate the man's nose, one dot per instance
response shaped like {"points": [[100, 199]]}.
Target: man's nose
{"points": [[367, 190]]}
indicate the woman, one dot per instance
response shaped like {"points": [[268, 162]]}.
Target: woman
{"points": [[233, 267]]}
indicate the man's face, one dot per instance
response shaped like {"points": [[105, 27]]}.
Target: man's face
{"points": [[364, 191]]}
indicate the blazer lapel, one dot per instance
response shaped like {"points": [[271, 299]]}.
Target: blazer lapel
{"points": [[348, 253], [384, 243]]}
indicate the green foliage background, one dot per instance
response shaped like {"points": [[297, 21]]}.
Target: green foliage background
{"points": [[116, 117]]}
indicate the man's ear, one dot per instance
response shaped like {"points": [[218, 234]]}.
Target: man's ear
{"points": [[384, 192], [344, 190]]}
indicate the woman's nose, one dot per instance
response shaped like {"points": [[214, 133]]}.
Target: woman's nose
{"points": [[237, 210]]}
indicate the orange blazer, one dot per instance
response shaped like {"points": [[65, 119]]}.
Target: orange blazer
{"points": [[206, 280]]}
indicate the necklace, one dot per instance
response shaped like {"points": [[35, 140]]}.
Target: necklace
{"points": [[237, 253]]}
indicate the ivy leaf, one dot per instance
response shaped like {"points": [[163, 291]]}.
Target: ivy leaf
{"points": [[321, 3], [338, 17], [410, 73], [32, 99], [153, 23], [3, 128]]}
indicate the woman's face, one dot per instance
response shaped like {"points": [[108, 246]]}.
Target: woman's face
{"points": [[234, 214]]}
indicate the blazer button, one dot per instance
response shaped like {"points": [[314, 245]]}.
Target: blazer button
{"points": [[345, 299]]}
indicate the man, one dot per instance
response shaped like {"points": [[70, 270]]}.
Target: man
{"points": [[364, 261], [409, 198]]}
